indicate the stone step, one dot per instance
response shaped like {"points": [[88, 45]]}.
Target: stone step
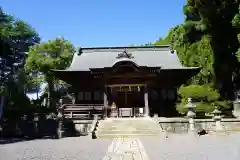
{"points": [[123, 135], [127, 128], [130, 130], [129, 124]]}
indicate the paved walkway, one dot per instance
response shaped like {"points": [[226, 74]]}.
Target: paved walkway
{"points": [[126, 149]]}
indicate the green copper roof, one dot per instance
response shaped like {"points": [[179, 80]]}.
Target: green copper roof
{"points": [[150, 56]]}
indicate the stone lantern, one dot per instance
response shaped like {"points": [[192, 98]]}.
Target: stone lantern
{"points": [[217, 118], [191, 114], [236, 107], [113, 110], [191, 109]]}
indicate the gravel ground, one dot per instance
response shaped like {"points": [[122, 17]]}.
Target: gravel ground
{"points": [[77, 148], [175, 147], [190, 147]]}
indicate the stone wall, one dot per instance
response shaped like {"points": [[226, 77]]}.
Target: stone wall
{"points": [[30, 129], [83, 128], [181, 125]]}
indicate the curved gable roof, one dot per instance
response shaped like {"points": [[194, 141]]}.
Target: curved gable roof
{"points": [[150, 56]]}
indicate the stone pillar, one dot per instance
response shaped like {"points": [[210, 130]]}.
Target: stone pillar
{"points": [[146, 109], [105, 102]]}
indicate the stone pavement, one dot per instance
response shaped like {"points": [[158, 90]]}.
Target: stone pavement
{"points": [[126, 149]]}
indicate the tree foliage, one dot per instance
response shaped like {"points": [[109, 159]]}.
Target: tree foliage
{"points": [[15, 39], [43, 57], [218, 19], [209, 38], [204, 97], [198, 54], [54, 54]]}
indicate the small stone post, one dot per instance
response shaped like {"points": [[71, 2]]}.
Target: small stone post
{"points": [[191, 114], [36, 124], [60, 120], [217, 118]]}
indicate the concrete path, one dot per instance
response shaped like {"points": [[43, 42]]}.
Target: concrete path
{"points": [[126, 149]]}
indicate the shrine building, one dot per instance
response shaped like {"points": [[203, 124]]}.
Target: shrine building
{"points": [[134, 81]]}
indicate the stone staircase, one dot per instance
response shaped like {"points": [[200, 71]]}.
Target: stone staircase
{"points": [[128, 127]]}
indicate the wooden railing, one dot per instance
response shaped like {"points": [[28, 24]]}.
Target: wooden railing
{"points": [[82, 111]]}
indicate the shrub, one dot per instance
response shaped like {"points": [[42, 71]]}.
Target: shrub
{"points": [[204, 97]]}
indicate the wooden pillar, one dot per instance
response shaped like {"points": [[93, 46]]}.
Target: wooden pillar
{"points": [[105, 100], [146, 109]]}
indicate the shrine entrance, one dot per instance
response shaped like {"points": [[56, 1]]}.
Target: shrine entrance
{"points": [[127, 100]]}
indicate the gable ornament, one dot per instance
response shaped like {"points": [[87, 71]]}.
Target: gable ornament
{"points": [[124, 54]]}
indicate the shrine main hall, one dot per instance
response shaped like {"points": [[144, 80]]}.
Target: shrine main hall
{"points": [[127, 81]]}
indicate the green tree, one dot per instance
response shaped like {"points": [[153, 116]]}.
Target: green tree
{"points": [[217, 19], [204, 97], [34, 82], [197, 54], [54, 54], [15, 39]]}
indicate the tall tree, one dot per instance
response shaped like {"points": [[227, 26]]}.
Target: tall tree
{"points": [[216, 19], [198, 54], [54, 54], [15, 39]]}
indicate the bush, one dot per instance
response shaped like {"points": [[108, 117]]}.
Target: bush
{"points": [[199, 92], [204, 97]]}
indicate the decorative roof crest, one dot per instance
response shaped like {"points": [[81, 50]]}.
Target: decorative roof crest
{"points": [[125, 54]]}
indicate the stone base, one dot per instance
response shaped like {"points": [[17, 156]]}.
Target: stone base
{"points": [[83, 128]]}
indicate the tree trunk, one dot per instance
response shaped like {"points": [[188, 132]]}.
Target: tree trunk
{"points": [[51, 102], [37, 94], [223, 69]]}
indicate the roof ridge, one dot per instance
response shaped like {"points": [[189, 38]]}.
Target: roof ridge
{"points": [[158, 47], [122, 47]]}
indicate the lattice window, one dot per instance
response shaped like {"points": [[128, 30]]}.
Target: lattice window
{"points": [[97, 95], [87, 96], [80, 96]]}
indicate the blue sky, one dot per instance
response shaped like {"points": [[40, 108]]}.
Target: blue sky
{"points": [[92, 23]]}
